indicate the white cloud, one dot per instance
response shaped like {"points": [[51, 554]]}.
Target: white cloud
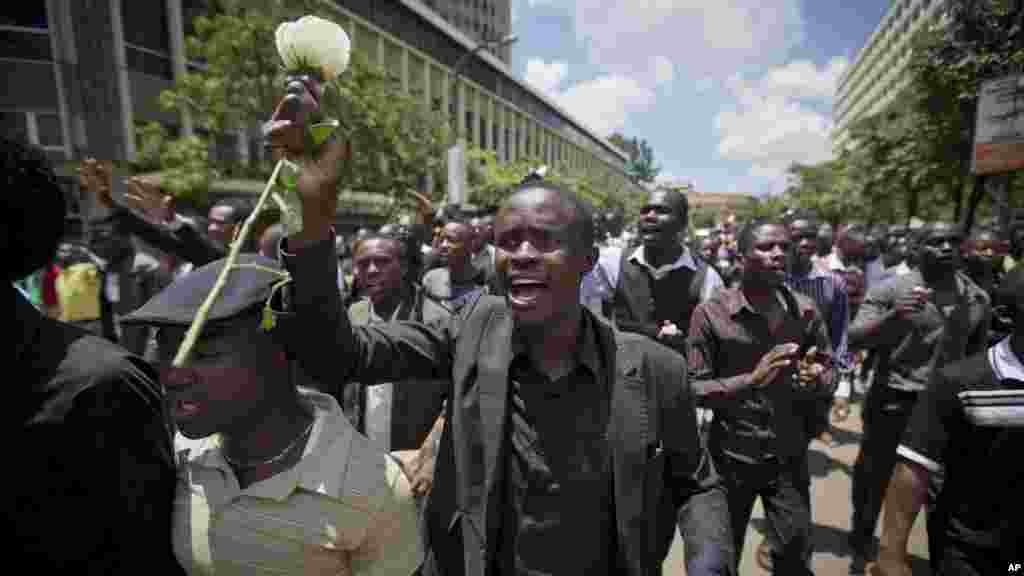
{"points": [[663, 69], [704, 38], [603, 104], [544, 76], [775, 122]]}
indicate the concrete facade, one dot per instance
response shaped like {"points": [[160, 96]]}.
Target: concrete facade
{"points": [[879, 72], [480, 20], [89, 71]]}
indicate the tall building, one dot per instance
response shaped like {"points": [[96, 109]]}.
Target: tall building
{"points": [[82, 75], [879, 72], [480, 20]]}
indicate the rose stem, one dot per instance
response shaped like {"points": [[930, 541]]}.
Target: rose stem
{"points": [[185, 350]]}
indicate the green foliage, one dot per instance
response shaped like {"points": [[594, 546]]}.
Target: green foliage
{"points": [[184, 163], [641, 166], [489, 182], [913, 158], [396, 141]]}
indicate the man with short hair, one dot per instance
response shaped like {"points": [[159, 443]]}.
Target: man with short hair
{"points": [[653, 288], [457, 281], [829, 292], [915, 323], [92, 473], [393, 417], [542, 407], [968, 426], [755, 362], [483, 251], [850, 248]]}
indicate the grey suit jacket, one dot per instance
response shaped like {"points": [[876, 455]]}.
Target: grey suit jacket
{"points": [[658, 459]]}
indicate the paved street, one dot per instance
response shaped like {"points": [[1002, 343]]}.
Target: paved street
{"points": [[831, 474]]}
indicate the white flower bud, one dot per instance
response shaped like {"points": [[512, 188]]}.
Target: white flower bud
{"points": [[314, 42]]}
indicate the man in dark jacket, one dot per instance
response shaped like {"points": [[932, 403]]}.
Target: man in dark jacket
{"points": [[95, 478], [547, 404], [967, 426]]}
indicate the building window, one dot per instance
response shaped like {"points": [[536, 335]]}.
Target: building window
{"points": [[146, 38], [25, 43], [26, 15], [14, 124], [49, 130], [145, 24]]}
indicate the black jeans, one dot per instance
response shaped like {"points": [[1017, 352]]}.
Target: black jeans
{"points": [[784, 489], [886, 412], [704, 525]]}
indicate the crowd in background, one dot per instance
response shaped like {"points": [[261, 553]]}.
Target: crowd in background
{"points": [[780, 322]]}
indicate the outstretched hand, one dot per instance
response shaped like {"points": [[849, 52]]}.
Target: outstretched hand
{"points": [[95, 177], [144, 196]]}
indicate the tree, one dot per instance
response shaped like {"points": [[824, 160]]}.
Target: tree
{"points": [[397, 141], [981, 40], [641, 166], [489, 181]]}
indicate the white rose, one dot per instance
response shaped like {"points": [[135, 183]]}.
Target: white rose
{"points": [[314, 42]]}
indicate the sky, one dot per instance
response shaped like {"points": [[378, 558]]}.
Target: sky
{"points": [[728, 93]]}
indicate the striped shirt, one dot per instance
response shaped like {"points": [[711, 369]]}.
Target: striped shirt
{"points": [[828, 290]]}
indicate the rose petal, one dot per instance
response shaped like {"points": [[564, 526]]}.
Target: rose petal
{"points": [[315, 42]]}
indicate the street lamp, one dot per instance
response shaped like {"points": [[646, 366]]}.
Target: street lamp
{"points": [[457, 152]]}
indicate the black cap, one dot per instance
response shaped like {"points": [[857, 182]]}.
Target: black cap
{"points": [[247, 290]]}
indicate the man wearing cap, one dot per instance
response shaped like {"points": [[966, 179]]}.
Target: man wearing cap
{"points": [[968, 426], [274, 479]]}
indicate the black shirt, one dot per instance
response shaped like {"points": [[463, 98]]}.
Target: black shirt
{"points": [[559, 483], [968, 426]]}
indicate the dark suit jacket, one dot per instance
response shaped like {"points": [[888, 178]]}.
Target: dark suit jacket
{"points": [[414, 408], [657, 457], [93, 453]]}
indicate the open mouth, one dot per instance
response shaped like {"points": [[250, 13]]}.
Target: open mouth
{"points": [[526, 292], [184, 409]]}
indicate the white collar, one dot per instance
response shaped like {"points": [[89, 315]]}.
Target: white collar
{"points": [[685, 260], [329, 441], [1004, 362]]}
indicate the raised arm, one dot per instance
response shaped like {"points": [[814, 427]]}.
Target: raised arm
{"points": [[321, 337]]}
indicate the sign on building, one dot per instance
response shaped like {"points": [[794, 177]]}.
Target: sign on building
{"points": [[999, 131]]}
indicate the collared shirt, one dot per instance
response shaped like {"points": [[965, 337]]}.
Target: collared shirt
{"points": [[728, 337], [342, 494], [559, 474], [379, 397], [599, 285], [910, 350], [829, 292], [969, 426]]}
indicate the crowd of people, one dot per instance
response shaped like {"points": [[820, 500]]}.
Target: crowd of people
{"points": [[533, 389]]}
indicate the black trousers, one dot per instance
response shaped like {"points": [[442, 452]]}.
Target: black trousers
{"points": [[705, 527], [784, 489], [886, 412]]}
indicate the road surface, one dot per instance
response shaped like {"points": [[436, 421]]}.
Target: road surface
{"points": [[831, 475]]}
